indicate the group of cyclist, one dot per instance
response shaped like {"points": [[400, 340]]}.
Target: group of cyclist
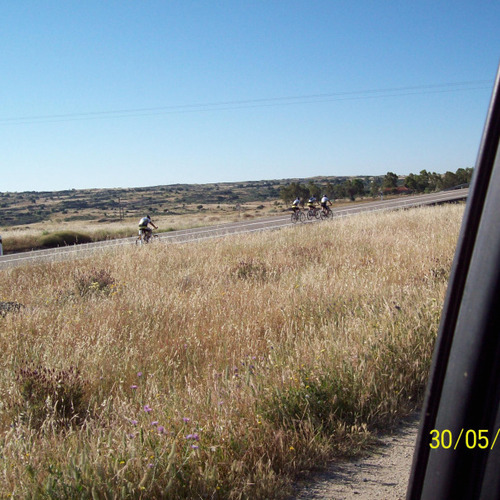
{"points": [[312, 204]]}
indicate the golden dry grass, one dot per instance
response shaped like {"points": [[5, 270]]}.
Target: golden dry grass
{"points": [[222, 369]]}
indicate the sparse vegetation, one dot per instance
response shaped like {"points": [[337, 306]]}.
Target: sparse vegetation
{"points": [[107, 206], [63, 238], [391, 184], [222, 369], [34, 220]]}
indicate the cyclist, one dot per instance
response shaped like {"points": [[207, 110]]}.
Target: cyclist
{"points": [[311, 203], [324, 204], [143, 227], [296, 205]]}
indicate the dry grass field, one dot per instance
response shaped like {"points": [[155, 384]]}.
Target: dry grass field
{"points": [[218, 370]]}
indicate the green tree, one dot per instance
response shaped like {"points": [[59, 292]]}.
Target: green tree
{"points": [[390, 181], [286, 194], [435, 181], [449, 180], [359, 187], [375, 186], [411, 182], [464, 175], [423, 180], [292, 191], [339, 191], [350, 189], [314, 190], [329, 190]]}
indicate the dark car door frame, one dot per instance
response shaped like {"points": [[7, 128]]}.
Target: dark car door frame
{"points": [[463, 392]]}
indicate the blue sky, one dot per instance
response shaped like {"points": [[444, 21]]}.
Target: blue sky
{"points": [[105, 94]]}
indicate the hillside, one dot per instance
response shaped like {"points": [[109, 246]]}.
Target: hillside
{"points": [[34, 220], [111, 205], [108, 205]]}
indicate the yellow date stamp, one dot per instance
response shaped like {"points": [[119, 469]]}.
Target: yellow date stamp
{"points": [[471, 438]]}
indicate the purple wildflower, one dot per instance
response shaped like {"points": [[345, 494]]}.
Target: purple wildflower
{"points": [[148, 409], [133, 422], [155, 423], [139, 374], [133, 386], [195, 437], [194, 446], [186, 420], [160, 429]]}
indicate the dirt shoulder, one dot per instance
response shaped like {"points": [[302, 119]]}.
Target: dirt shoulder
{"points": [[382, 475]]}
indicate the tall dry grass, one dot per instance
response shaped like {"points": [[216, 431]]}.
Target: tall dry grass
{"points": [[222, 369]]}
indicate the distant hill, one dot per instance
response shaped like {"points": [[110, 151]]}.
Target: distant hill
{"points": [[112, 204], [108, 205]]}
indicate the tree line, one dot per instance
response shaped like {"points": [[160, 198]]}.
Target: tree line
{"points": [[390, 183]]}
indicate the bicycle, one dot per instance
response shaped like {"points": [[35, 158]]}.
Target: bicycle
{"points": [[146, 237], [313, 213], [298, 216], [327, 215]]}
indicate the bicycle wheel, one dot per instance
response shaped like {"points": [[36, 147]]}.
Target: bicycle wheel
{"points": [[310, 214], [318, 214], [302, 216], [294, 217]]}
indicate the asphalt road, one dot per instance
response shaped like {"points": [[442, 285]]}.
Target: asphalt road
{"points": [[220, 230]]}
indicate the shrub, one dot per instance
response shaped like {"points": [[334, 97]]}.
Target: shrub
{"points": [[63, 238], [6, 307], [93, 281], [250, 269], [19, 243], [323, 402], [47, 393]]}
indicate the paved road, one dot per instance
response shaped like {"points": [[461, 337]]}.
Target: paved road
{"points": [[247, 226]]}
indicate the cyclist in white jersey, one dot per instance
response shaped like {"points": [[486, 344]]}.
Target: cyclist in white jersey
{"points": [[324, 203], [143, 225], [296, 204]]}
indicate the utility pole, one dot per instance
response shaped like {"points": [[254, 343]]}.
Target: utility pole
{"points": [[120, 209]]}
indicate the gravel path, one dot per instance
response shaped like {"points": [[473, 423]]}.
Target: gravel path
{"points": [[383, 475]]}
